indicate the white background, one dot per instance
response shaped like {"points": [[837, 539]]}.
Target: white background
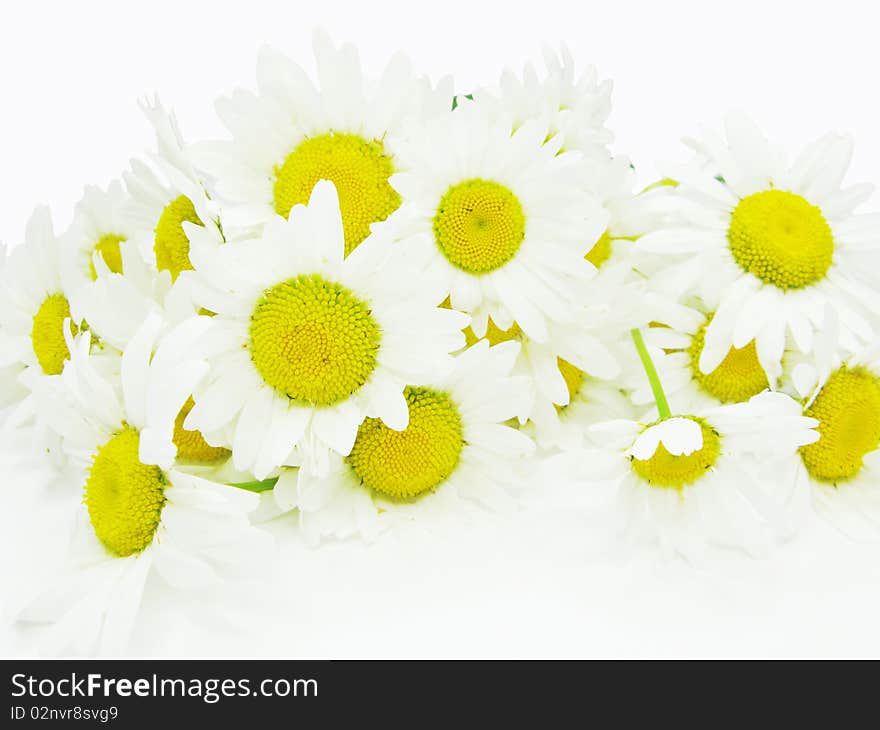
{"points": [[535, 583]]}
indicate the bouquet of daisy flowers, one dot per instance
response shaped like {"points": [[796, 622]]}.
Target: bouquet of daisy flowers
{"points": [[379, 301]]}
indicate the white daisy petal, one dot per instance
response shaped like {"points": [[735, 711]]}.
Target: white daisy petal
{"points": [[679, 436]]}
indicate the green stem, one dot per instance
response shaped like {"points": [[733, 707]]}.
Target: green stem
{"points": [[263, 486], [651, 372]]}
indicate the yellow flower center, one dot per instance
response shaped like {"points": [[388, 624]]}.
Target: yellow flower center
{"points": [[108, 247], [47, 333], [848, 411], [191, 445], [601, 251], [737, 378], [124, 496], [479, 225], [781, 238], [359, 169], [171, 243], [313, 340], [408, 463], [668, 471]]}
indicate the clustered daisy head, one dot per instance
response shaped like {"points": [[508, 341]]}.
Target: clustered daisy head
{"points": [[498, 218], [708, 477], [306, 342], [458, 444], [838, 473], [134, 510], [163, 196], [382, 298], [293, 132], [769, 246]]}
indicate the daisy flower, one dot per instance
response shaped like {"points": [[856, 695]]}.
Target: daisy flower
{"points": [[306, 342], [162, 199], [455, 446], [291, 134], [101, 227], [574, 106], [707, 478], [140, 513], [840, 473], [38, 313], [611, 181], [769, 246], [40, 298], [498, 219], [675, 341], [102, 274], [36, 309]]}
